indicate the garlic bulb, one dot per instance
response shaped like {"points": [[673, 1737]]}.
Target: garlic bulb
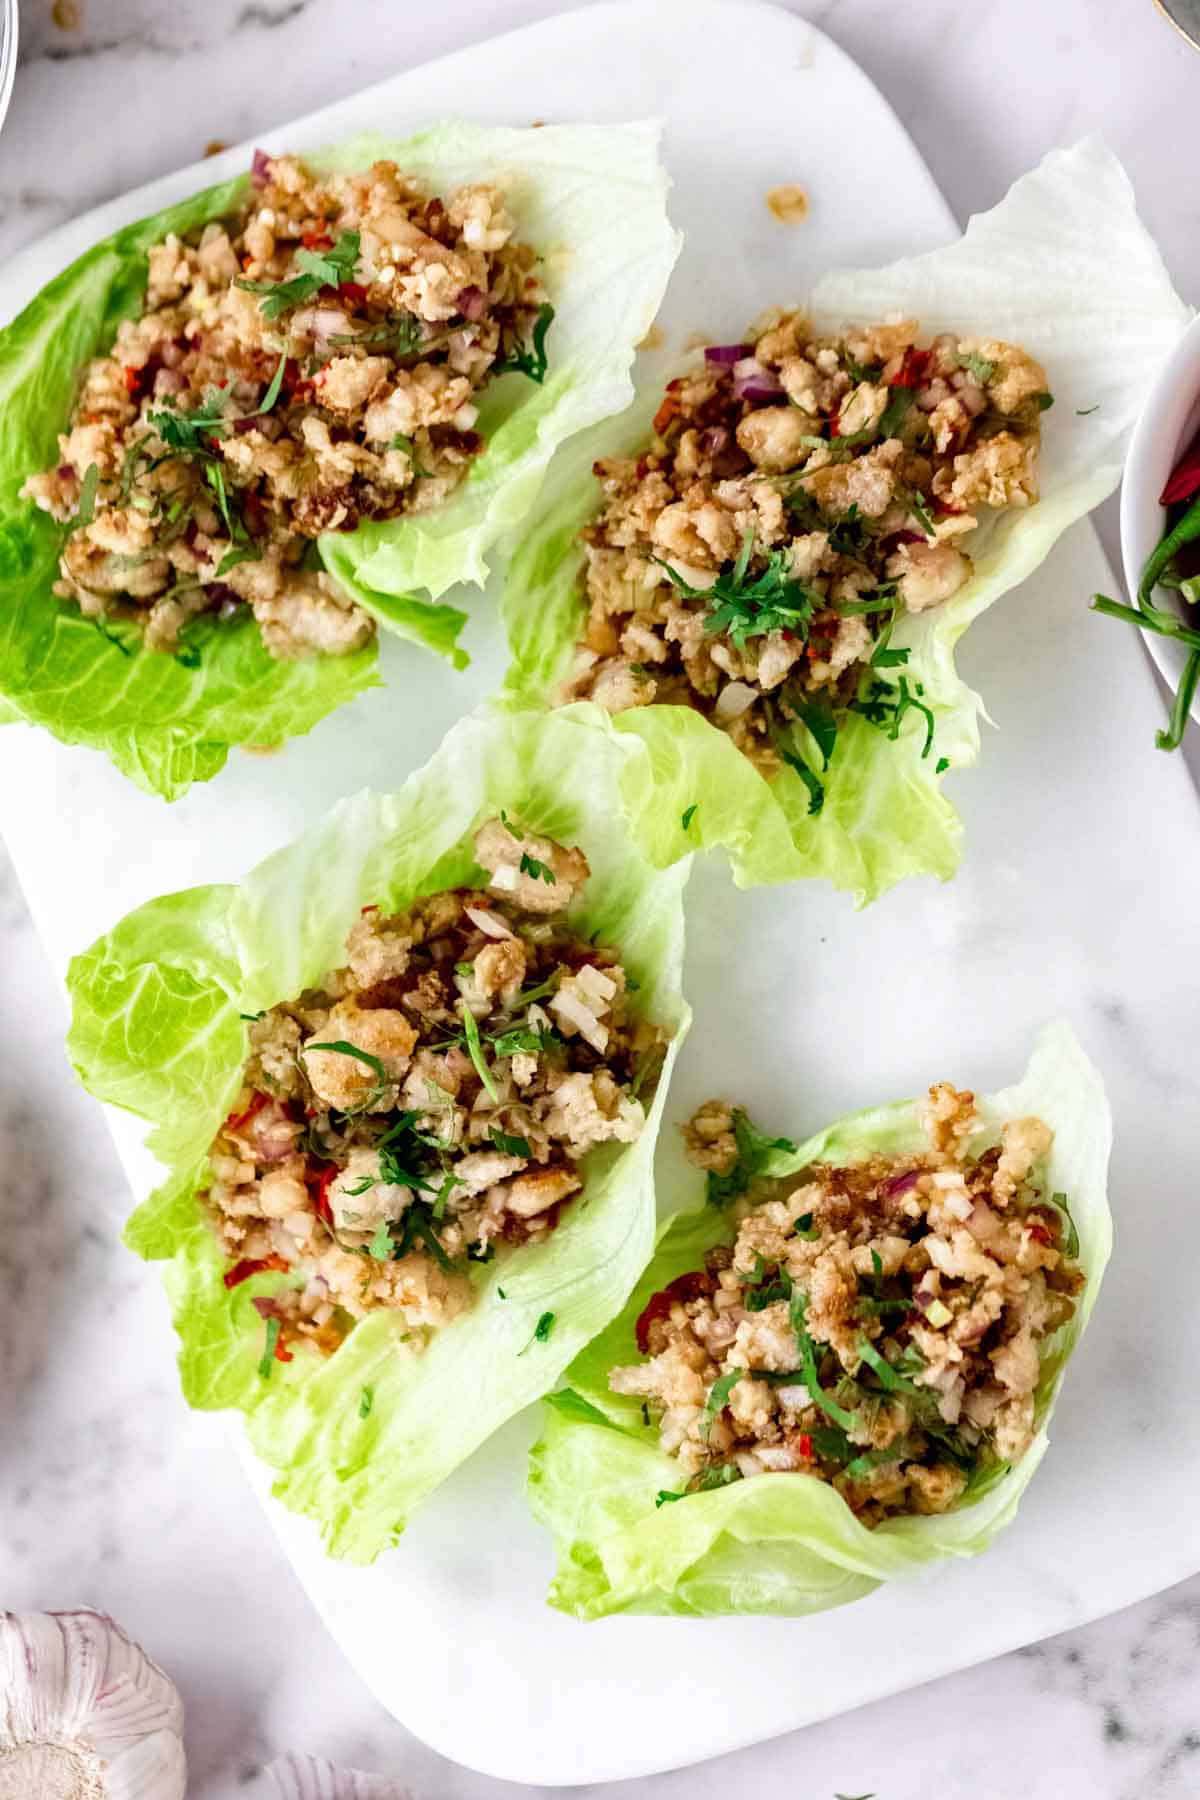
{"points": [[84, 1713], [298, 1777]]}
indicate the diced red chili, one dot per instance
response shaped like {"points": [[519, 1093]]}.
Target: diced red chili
{"points": [[252, 1265], [238, 1121], [326, 1177], [943, 508], [1185, 479], [295, 385], [353, 292], [914, 370], [835, 423], [804, 1445], [317, 240], [133, 379], [282, 1353], [692, 1286], [1039, 1232]]}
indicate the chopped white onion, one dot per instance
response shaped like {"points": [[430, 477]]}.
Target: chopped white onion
{"points": [[487, 922], [505, 878], [735, 698]]}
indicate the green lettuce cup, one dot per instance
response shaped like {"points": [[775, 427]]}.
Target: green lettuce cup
{"points": [[788, 1543], [589, 199], [160, 1010], [1061, 267]]}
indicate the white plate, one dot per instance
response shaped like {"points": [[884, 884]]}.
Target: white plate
{"points": [[1167, 427], [1081, 836]]}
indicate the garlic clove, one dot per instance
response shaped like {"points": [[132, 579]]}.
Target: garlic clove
{"points": [[86, 1715]]}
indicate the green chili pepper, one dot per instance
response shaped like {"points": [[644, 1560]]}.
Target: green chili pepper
{"points": [[1172, 737], [1185, 532]]}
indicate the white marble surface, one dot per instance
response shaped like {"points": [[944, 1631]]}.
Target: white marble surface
{"points": [[109, 1492]]}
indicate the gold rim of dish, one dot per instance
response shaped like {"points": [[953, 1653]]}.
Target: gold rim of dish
{"points": [[1176, 26]]}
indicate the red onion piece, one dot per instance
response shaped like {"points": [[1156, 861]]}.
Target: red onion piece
{"points": [[264, 1307], [1185, 479], [472, 303], [724, 356], [260, 169], [66, 471], [754, 383], [899, 1184], [714, 440]]}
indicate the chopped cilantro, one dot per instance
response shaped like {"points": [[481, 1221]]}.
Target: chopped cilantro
{"points": [[1071, 1238], [366, 1401], [979, 367], [1085, 412], [380, 1246], [511, 1146], [687, 815], [541, 1331], [746, 606], [920, 511], [753, 1150], [1043, 402], [523, 1038], [941, 765], [718, 1397], [475, 1052], [88, 488], [342, 1048], [318, 269], [719, 1476], [804, 1228], [808, 1363], [886, 707], [529, 359], [540, 871], [268, 1356]]}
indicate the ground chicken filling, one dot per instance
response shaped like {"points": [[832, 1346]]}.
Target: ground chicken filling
{"points": [[313, 364], [876, 1325], [430, 1104], [799, 497]]}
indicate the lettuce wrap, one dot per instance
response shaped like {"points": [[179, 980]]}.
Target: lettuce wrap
{"points": [[158, 1028], [590, 198], [788, 1543], [1061, 267]]}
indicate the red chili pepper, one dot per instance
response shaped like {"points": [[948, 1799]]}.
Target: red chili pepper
{"points": [[133, 379], [317, 240], [354, 292], [321, 1202], [295, 385], [691, 1286], [1185, 478], [282, 1353], [804, 1445], [942, 508], [1039, 1232], [914, 368], [251, 1265], [238, 1121], [835, 423]]}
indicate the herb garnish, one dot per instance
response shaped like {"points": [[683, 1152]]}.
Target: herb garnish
{"points": [[808, 1364], [529, 360], [366, 1401], [718, 1397], [382, 1079], [511, 1146], [979, 367], [687, 815], [87, 499], [746, 606], [380, 1246], [540, 871], [268, 1357], [475, 1052], [886, 706], [541, 1331], [753, 1150], [318, 269], [719, 1476]]}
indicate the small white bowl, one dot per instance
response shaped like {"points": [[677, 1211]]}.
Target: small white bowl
{"points": [[1169, 422]]}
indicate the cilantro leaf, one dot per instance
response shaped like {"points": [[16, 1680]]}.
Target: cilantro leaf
{"points": [[529, 359], [541, 1331], [511, 1146], [475, 1052], [687, 815], [753, 1150], [540, 871], [366, 1401], [318, 269], [380, 1246]]}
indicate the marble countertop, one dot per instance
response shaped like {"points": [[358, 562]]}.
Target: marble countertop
{"points": [[110, 1493]]}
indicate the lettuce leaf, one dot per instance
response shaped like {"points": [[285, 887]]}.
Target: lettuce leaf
{"points": [[591, 198], [1063, 267], [788, 1543], [157, 1029]]}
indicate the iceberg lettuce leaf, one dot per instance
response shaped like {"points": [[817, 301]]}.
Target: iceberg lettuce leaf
{"points": [[1063, 267], [590, 198], [789, 1543], [157, 1028]]}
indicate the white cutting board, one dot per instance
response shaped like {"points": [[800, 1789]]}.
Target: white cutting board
{"points": [[1077, 898]]}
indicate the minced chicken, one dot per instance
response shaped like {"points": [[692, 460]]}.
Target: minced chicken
{"points": [[876, 1325], [431, 1102], [313, 363], [799, 496]]}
